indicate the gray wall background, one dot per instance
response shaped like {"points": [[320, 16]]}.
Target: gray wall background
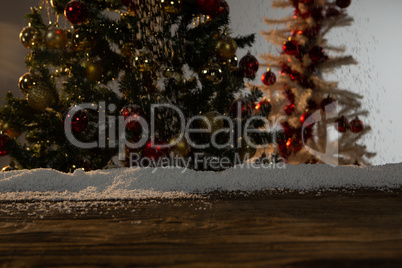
{"points": [[374, 40]]}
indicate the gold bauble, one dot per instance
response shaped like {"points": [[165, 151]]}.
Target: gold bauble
{"points": [[82, 40], [30, 37], [55, 38], [144, 61], [11, 167], [92, 69], [169, 72], [212, 73], [26, 82], [181, 148], [171, 6], [214, 120], [12, 131], [41, 97], [226, 48], [231, 63], [247, 151]]}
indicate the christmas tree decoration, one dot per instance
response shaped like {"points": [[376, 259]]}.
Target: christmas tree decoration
{"points": [[92, 69], [12, 131], [223, 7], [247, 151], [289, 108], [76, 12], [303, 62], [180, 147], [249, 65], [226, 48], [41, 97], [79, 121], [343, 3], [144, 61], [82, 40], [10, 167], [264, 107], [328, 105], [133, 113], [211, 73], [317, 55], [26, 82], [155, 152], [294, 145], [215, 122], [290, 96], [209, 7], [241, 108], [82, 166], [268, 78], [170, 72], [231, 63], [31, 37], [356, 126], [307, 119], [59, 5], [55, 38], [171, 6], [4, 139], [342, 124], [291, 47]]}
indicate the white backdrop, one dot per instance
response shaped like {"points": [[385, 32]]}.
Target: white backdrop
{"points": [[374, 40]]}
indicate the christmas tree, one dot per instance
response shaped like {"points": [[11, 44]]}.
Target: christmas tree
{"points": [[312, 107], [157, 52]]}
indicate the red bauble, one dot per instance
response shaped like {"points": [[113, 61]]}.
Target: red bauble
{"points": [[155, 152], [241, 108], [134, 113], [264, 107], [317, 55], [356, 126], [307, 118], [76, 12], [79, 121], [328, 105], [224, 7], [209, 7], [343, 3], [4, 139], [268, 78], [249, 65], [291, 47], [289, 109], [342, 124]]}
